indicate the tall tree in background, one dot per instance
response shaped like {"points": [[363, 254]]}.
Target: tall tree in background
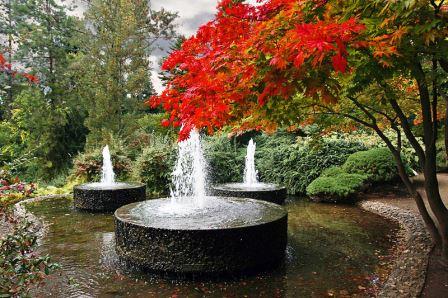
{"points": [[12, 16], [121, 35], [46, 41]]}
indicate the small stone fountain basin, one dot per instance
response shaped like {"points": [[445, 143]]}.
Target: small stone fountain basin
{"points": [[226, 235], [261, 191], [107, 198]]}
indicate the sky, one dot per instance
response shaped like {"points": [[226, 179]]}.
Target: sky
{"points": [[192, 14]]}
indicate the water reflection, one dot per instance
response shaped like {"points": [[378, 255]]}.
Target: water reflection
{"points": [[331, 249]]}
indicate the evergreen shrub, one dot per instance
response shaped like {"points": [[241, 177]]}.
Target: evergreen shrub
{"points": [[378, 164]]}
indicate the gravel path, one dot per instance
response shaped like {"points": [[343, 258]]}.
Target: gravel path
{"points": [[408, 275], [437, 275]]}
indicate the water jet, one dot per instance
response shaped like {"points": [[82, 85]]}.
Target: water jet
{"points": [[107, 195], [193, 233], [251, 187]]}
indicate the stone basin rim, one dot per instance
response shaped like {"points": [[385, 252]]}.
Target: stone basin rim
{"points": [[281, 210], [118, 186], [269, 187]]}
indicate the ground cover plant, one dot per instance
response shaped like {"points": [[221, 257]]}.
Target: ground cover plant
{"points": [[13, 190], [21, 267]]}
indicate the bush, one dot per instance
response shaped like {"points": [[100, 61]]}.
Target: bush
{"points": [[332, 172], [149, 132], [87, 166], [225, 160], [153, 168], [377, 163], [20, 266], [12, 190], [441, 160], [295, 164], [337, 188]]}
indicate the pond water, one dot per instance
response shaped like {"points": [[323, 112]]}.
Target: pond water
{"points": [[332, 251]]}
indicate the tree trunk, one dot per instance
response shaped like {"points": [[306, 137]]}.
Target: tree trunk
{"points": [[446, 129], [431, 183], [410, 186], [10, 76], [437, 240]]}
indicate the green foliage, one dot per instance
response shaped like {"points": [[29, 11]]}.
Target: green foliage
{"points": [[148, 132], [225, 160], [332, 172], [59, 188], [294, 164], [151, 123], [408, 153], [46, 118], [116, 63], [377, 163], [441, 160], [87, 166], [441, 157], [11, 143], [20, 266], [43, 137], [153, 168], [336, 188]]}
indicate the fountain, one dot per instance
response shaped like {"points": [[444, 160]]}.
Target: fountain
{"points": [[193, 233], [107, 195], [251, 187]]}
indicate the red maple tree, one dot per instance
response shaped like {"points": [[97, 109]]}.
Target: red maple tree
{"points": [[250, 54]]}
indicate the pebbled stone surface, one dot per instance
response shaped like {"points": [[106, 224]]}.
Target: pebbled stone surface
{"points": [[107, 200], [275, 195], [202, 251], [409, 271]]}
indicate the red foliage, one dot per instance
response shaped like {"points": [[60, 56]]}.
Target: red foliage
{"points": [[249, 54], [5, 67]]}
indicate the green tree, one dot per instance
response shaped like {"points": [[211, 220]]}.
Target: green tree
{"points": [[119, 39], [46, 45], [12, 17]]}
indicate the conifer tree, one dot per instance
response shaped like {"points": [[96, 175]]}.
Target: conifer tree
{"points": [[121, 35]]}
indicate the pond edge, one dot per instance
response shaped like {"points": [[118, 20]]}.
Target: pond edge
{"points": [[408, 275]]}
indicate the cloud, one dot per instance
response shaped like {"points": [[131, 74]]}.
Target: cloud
{"points": [[192, 13]]}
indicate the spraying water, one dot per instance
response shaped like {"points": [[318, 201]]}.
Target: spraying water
{"points": [[250, 173], [189, 175], [107, 175]]}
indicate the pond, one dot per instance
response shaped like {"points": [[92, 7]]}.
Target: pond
{"points": [[333, 250]]}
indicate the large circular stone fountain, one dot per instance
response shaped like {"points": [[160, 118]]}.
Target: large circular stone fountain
{"points": [[260, 191], [225, 235], [102, 197]]}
